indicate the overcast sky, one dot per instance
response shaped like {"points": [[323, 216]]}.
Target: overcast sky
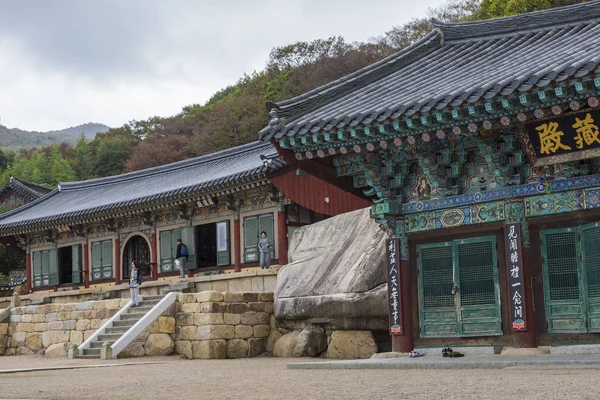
{"points": [[68, 62]]}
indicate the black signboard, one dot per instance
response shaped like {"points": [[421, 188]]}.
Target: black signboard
{"points": [[565, 135], [514, 270], [393, 286]]}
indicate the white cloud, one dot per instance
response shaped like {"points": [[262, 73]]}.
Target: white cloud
{"points": [[67, 62]]}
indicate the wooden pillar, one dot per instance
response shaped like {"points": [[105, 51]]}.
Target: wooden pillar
{"points": [[237, 245], [154, 262], [282, 239], [117, 251], [86, 265], [28, 271], [404, 343], [529, 337]]}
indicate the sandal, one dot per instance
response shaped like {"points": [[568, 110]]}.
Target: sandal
{"points": [[455, 354], [415, 354], [446, 352]]}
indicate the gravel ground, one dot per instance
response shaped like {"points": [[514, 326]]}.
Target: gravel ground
{"points": [[268, 378]]}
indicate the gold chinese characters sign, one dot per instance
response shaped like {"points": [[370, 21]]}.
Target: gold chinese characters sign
{"points": [[569, 138]]}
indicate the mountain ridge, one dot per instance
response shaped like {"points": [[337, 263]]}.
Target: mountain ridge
{"points": [[16, 139]]}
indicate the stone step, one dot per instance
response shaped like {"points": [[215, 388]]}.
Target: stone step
{"points": [[97, 344], [88, 356], [92, 351], [132, 316], [109, 337], [156, 298], [118, 329], [141, 309], [124, 323]]}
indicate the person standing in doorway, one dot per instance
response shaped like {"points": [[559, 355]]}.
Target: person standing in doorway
{"points": [[265, 245], [135, 280], [182, 256]]}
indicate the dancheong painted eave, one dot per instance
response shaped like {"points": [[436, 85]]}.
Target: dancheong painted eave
{"points": [[75, 201], [498, 67]]}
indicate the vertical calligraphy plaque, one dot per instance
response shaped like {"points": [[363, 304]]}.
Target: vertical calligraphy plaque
{"points": [[514, 271], [393, 286]]}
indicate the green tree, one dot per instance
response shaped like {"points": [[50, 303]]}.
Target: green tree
{"points": [[111, 156], [10, 260], [84, 167], [60, 169], [503, 8]]}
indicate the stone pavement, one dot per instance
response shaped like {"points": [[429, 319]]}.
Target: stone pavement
{"points": [[467, 362]]}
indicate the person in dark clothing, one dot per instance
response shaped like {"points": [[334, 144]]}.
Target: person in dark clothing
{"points": [[182, 257], [265, 245], [135, 280]]}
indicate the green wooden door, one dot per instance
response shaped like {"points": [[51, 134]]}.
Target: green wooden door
{"points": [[591, 261], [37, 269], [565, 308], [437, 306], [223, 252], [478, 291], [76, 263], [102, 260], [458, 288], [189, 239], [53, 267], [251, 239]]}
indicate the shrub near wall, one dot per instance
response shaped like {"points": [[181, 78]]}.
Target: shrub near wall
{"points": [[223, 325]]}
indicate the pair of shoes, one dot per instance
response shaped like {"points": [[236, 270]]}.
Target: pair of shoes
{"points": [[446, 352], [415, 354], [134, 305], [455, 354]]}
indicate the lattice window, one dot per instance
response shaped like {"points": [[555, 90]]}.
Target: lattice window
{"points": [[437, 276], [562, 254], [477, 283]]}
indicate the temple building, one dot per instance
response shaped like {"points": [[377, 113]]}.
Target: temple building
{"points": [[479, 148], [18, 192], [86, 234]]}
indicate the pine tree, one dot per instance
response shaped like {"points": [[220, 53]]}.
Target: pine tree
{"points": [[84, 162]]}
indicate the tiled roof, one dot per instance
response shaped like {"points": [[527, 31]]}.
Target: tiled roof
{"points": [[88, 198], [28, 189], [455, 64]]}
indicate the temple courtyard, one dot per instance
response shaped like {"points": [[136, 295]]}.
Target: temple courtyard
{"points": [[269, 378]]}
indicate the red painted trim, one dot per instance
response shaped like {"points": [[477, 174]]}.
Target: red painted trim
{"points": [[528, 338], [117, 251], [28, 272], [237, 244], [154, 262], [404, 343], [282, 240], [86, 265]]}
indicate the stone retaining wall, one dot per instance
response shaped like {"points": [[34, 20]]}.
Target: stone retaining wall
{"points": [[198, 325]]}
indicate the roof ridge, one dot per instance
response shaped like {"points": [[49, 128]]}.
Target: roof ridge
{"points": [[166, 167], [547, 18]]}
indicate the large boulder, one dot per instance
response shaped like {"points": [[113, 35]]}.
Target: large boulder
{"points": [[285, 346], [159, 344], [351, 345], [336, 274], [56, 350], [312, 341]]}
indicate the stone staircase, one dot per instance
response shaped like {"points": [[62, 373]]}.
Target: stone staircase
{"points": [[125, 326]]}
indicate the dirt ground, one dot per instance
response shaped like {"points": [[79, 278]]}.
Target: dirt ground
{"points": [[268, 378]]}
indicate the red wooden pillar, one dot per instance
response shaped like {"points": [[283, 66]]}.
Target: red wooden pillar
{"points": [[117, 251], [154, 262], [404, 343], [237, 245], [86, 265], [28, 271], [282, 240], [529, 337]]}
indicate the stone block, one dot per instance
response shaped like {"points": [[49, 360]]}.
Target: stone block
{"points": [[210, 307], [208, 319], [133, 349], [237, 308], [24, 351], [243, 332], [88, 333], [269, 283], [43, 309], [33, 342], [14, 318], [207, 332], [246, 284], [85, 305], [250, 318], [220, 286], [203, 286], [232, 297], [249, 297], [26, 318], [99, 305], [113, 304], [57, 350], [55, 326], [186, 297], [284, 347], [184, 348], [166, 324], [10, 352], [256, 346], [351, 345], [258, 284], [187, 333], [191, 307], [143, 335], [237, 348], [264, 318], [30, 310], [36, 318], [70, 324], [51, 317], [261, 331], [184, 319], [64, 315], [209, 349], [274, 336], [76, 337], [82, 325], [17, 310], [269, 307], [234, 286], [39, 327], [153, 328], [213, 296], [24, 327], [52, 337], [266, 297], [3, 329], [312, 341], [256, 306], [159, 344], [231, 319]]}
